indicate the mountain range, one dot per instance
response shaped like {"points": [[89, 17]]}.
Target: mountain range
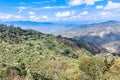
{"points": [[32, 55], [45, 27], [104, 34], [27, 54]]}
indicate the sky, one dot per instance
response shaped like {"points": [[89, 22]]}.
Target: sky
{"points": [[59, 10]]}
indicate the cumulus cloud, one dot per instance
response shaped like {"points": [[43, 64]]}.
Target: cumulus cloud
{"points": [[21, 8], [7, 17], [51, 7], [112, 5], [54, 7], [105, 14], [101, 15], [31, 13], [75, 2], [18, 17], [84, 13], [64, 14], [45, 17], [99, 7], [80, 2], [34, 18]]}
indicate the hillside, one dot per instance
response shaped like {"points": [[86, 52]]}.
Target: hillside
{"points": [[102, 34], [32, 55]]}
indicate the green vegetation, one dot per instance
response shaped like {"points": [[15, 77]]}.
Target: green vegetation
{"points": [[31, 55]]}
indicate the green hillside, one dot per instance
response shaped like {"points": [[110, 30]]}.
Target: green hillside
{"points": [[31, 55]]}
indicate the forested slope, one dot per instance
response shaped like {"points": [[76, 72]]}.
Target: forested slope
{"points": [[31, 55]]}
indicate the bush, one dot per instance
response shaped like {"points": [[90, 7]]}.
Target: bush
{"points": [[93, 67], [12, 71], [42, 76], [66, 52]]}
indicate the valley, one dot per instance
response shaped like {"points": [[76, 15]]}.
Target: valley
{"points": [[105, 34]]}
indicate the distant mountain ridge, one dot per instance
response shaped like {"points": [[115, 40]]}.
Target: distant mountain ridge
{"points": [[103, 34], [27, 23], [44, 27]]}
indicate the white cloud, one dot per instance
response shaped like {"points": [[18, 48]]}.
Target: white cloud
{"points": [[21, 8], [103, 13], [51, 7], [106, 14], [84, 13], [37, 3], [54, 7], [99, 7], [75, 2], [34, 18], [80, 2], [64, 14], [38, 18], [45, 17], [31, 13], [89, 2], [5, 16], [18, 17], [112, 5], [10, 17]]}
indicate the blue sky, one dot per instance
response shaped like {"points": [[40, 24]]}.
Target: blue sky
{"points": [[59, 10]]}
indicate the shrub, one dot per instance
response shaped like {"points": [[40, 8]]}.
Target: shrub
{"points": [[12, 71], [42, 76], [93, 67], [66, 52]]}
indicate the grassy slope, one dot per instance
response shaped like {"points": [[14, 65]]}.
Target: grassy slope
{"points": [[32, 55], [40, 53]]}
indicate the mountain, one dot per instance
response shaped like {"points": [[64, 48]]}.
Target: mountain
{"points": [[102, 34], [40, 56], [94, 49], [44, 27], [55, 28], [13, 34], [32, 55], [105, 34], [27, 23]]}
